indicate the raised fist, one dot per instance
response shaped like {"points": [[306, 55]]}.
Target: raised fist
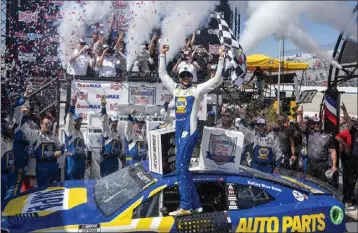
{"points": [[165, 49], [133, 111]]}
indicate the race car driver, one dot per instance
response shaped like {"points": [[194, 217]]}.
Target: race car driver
{"points": [[187, 97], [76, 157], [7, 157], [46, 146], [135, 139], [111, 145], [266, 153]]}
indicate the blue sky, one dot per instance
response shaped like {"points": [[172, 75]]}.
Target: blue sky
{"points": [[323, 34]]}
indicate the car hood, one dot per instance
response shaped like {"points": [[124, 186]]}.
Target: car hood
{"points": [[52, 206]]}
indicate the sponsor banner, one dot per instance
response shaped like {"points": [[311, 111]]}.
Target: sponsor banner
{"points": [[28, 16], [221, 149], [119, 94]]}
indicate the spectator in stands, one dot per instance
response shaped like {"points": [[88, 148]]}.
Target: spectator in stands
{"points": [[107, 63], [189, 43], [227, 116], [80, 60], [98, 46], [140, 65], [153, 52], [187, 61], [121, 57], [349, 158], [94, 39], [120, 42]]}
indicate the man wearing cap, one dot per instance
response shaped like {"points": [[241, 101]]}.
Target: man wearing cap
{"points": [[80, 60], [46, 148], [266, 154], [227, 117], [319, 146], [187, 98], [107, 63], [186, 61], [350, 161], [76, 157], [135, 139], [111, 145]]}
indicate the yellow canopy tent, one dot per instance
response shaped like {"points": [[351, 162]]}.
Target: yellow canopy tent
{"points": [[266, 63]]}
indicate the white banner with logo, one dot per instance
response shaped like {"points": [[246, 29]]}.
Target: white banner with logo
{"points": [[137, 93], [221, 149]]}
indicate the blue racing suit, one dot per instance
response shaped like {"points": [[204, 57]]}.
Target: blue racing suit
{"points": [[135, 146], [21, 156], [44, 146], [266, 152], [7, 165], [75, 164], [111, 149], [187, 104]]}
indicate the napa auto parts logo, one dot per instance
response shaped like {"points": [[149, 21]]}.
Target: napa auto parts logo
{"points": [[116, 86], [142, 95], [28, 16], [221, 149], [88, 85]]}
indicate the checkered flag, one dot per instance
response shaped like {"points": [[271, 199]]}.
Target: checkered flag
{"points": [[235, 57]]}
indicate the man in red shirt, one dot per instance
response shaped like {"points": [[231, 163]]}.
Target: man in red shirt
{"points": [[349, 158]]}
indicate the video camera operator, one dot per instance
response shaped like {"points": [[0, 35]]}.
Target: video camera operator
{"points": [[107, 63], [111, 145]]}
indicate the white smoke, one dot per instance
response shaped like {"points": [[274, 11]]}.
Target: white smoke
{"points": [[75, 18], [186, 18], [145, 16], [268, 18]]}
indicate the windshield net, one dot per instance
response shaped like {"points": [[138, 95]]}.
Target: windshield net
{"points": [[113, 191]]}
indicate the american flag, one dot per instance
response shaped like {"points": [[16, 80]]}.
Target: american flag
{"points": [[235, 57]]}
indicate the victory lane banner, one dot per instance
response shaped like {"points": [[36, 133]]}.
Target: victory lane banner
{"points": [[117, 94], [221, 149]]}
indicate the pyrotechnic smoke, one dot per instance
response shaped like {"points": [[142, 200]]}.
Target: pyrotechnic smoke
{"points": [[76, 17], [185, 18], [145, 16]]}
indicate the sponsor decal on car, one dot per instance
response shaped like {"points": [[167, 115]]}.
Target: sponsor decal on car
{"points": [[89, 228], [261, 185], [298, 223], [299, 196]]}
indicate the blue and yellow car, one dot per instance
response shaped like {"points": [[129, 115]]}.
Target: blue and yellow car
{"points": [[136, 200]]}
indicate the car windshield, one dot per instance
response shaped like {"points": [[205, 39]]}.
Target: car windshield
{"points": [[115, 190]]}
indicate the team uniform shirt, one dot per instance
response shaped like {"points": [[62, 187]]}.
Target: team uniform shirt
{"points": [[135, 145], [7, 155], [74, 141], [108, 68], [80, 65], [317, 144], [110, 138]]}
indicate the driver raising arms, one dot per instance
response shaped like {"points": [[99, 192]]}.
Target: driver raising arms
{"points": [[187, 98]]}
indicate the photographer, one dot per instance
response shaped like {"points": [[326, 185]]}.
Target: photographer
{"points": [[80, 60], [187, 61], [107, 63]]}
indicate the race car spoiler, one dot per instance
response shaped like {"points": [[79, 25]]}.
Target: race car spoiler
{"points": [[327, 187]]}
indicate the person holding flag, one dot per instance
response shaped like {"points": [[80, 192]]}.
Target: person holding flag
{"points": [[187, 98]]}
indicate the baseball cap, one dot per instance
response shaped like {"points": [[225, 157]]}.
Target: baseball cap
{"points": [[213, 67], [101, 32], [185, 69], [316, 119], [261, 121], [77, 117], [81, 41], [105, 46]]}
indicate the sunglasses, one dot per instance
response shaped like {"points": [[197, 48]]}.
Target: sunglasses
{"points": [[48, 124], [186, 75], [316, 123]]}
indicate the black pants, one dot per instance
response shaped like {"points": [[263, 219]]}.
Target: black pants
{"points": [[350, 173], [317, 169]]}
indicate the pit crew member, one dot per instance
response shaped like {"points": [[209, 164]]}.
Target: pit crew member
{"points": [[266, 154], [76, 157], [111, 145], [187, 97], [46, 148], [135, 139]]}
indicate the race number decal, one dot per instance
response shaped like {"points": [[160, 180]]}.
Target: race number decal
{"points": [[307, 96]]}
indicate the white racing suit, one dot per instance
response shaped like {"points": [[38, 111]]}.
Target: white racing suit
{"points": [[111, 147], [187, 104], [75, 164]]}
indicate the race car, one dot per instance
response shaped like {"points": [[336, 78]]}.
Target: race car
{"points": [[136, 200]]}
